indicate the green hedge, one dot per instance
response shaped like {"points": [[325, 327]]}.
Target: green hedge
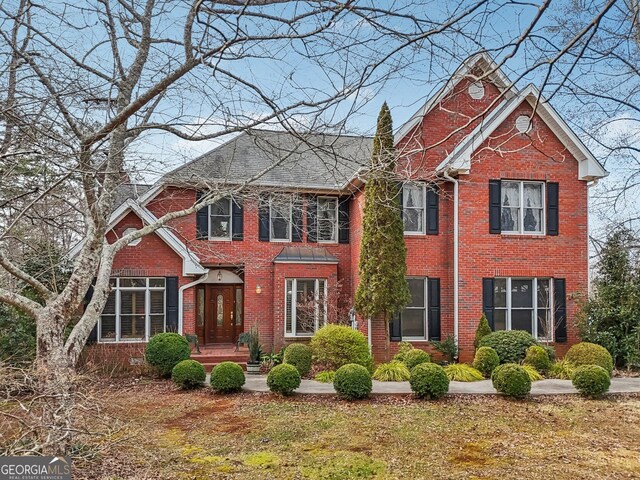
{"points": [[283, 379], [485, 360], [227, 377], [352, 382], [429, 381], [415, 357], [510, 345], [336, 345], [165, 350], [299, 355], [188, 374], [512, 380], [585, 353], [538, 358], [591, 380]]}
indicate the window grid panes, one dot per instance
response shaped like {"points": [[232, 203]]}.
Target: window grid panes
{"points": [[523, 304], [413, 208], [280, 212], [135, 310], [305, 306], [220, 219], [327, 219], [522, 207], [414, 316]]}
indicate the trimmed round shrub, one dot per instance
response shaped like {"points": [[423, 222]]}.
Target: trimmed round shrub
{"points": [[415, 357], [336, 345], [188, 374], [512, 380], [165, 350], [227, 377], [510, 345], [585, 353], [485, 360], [352, 382], [429, 381], [299, 355], [538, 358], [283, 379], [403, 348], [591, 380]]}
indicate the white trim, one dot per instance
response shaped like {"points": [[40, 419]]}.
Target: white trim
{"points": [[316, 295], [422, 186], [482, 60], [425, 308], [229, 237], [281, 240], [459, 160], [521, 208], [335, 225], [309, 262], [181, 290]]}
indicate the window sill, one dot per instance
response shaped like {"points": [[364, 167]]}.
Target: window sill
{"points": [[219, 239], [121, 342], [532, 236], [298, 337], [414, 340], [414, 234]]}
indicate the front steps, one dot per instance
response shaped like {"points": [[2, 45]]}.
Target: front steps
{"points": [[212, 355]]}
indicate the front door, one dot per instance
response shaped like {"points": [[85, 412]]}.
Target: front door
{"points": [[220, 324]]}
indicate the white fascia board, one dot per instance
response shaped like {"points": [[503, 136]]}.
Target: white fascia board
{"points": [[459, 160], [488, 64]]}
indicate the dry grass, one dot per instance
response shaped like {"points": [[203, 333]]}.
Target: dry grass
{"points": [[192, 435]]}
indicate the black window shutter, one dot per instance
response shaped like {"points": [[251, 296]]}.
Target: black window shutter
{"points": [[494, 206], [432, 210], [263, 218], [171, 296], [312, 218], [395, 328], [297, 226], [93, 335], [552, 208], [202, 220], [487, 300], [434, 308], [343, 219], [237, 221], [560, 309]]}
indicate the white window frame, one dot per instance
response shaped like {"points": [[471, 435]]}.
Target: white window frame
{"points": [[271, 201], [117, 289], [228, 237], [509, 307], [335, 224], [521, 208], [423, 187], [316, 296], [425, 309]]}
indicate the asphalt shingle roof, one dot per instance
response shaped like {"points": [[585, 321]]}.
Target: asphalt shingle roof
{"points": [[319, 161]]}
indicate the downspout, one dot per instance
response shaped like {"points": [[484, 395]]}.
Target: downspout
{"points": [[181, 294], [455, 255]]}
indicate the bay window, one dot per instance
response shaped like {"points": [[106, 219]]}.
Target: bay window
{"points": [[135, 310], [305, 306]]}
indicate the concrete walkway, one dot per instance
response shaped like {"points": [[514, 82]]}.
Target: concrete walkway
{"points": [[258, 383]]}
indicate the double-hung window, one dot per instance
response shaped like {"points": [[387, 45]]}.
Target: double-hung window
{"points": [[305, 306], [413, 208], [135, 310], [280, 213], [220, 219], [414, 316], [523, 304], [522, 207], [327, 219]]}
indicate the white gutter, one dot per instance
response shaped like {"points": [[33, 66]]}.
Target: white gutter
{"points": [[590, 184], [181, 294], [369, 334], [455, 255]]}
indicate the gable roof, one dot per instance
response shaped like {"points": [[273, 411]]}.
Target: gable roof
{"points": [[459, 160], [308, 161], [482, 61]]}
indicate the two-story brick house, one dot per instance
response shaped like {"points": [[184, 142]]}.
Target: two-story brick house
{"points": [[494, 202]]}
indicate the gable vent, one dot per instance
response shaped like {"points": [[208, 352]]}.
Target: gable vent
{"points": [[523, 124], [476, 90]]}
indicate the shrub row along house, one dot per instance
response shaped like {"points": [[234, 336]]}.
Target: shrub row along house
{"points": [[494, 201]]}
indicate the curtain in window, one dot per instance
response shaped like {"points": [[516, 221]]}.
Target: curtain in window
{"points": [[533, 207], [413, 208], [510, 219]]}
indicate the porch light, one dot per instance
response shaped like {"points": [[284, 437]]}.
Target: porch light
{"points": [[258, 289], [219, 275]]}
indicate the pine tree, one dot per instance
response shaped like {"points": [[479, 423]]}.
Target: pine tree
{"points": [[383, 289]]}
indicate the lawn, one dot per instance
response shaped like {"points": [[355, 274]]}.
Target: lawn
{"points": [[192, 435]]}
